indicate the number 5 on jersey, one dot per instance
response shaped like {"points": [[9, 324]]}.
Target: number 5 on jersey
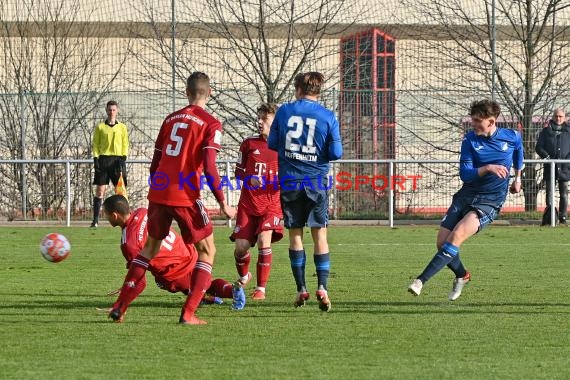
{"points": [[178, 140]]}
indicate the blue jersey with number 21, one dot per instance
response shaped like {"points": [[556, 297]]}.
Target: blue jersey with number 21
{"points": [[306, 137]]}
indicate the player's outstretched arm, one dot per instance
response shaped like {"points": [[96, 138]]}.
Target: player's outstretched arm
{"points": [[518, 163], [229, 211], [516, 185], [335, 144], [213, 181], [498, 170], [241, 163]]}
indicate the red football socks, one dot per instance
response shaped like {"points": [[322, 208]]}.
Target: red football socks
{"points": [[199, 284], [134, 284], [263, 266], [220, 288], [242, 264]]}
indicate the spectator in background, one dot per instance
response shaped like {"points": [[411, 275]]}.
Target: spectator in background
{"points": [[554, 143], [110, 149]]}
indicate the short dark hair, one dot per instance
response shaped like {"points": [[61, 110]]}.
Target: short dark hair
{"points": [[198, 84], [112, 103], [267, 108], [116, 203], [485, 109], [310, 83]]}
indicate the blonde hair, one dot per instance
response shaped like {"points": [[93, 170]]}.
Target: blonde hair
{"points": [[198, 85]]}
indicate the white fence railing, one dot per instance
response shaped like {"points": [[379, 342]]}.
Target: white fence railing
{"points": [[388, 190]]}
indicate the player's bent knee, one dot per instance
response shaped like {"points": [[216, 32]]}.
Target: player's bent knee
{"points": [[264, 238], [206, 249], [241, 247]]}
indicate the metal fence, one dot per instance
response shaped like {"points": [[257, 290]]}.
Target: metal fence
{"points": [[389, 190], [401, 89]]}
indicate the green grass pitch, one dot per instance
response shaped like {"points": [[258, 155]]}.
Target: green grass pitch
{"points": [[510, 322]]}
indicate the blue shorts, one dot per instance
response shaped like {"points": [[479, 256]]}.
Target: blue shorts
{"points": [[487, 208], [305, 207]]}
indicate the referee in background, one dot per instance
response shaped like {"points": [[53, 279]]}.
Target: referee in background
{"points": [[110, 150]]}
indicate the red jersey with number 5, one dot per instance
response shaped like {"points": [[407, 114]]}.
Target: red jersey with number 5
{"points": [[256, 160], [174, 259], [176, 168]]}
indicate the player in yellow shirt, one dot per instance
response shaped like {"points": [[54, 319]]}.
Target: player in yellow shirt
{"points": [[110, 150]]}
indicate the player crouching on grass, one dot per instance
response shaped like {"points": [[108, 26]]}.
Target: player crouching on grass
{"points": [[487, 155], [172, 266]]}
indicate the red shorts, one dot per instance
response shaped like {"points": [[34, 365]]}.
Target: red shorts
{"points": [[193, 221], [249, 226], [181, 284]]}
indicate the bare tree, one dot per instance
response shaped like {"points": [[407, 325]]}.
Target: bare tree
{"points": [[530, 66], [254, 49], [53, 80]]}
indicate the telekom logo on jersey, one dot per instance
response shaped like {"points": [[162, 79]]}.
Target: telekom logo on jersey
{"points": [[343, 181]]}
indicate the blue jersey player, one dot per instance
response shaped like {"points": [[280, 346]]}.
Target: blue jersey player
{"points": [[306, 137], [487, 155]]}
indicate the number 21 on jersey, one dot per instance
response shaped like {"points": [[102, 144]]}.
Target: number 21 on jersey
{"points": [[294, 137]]}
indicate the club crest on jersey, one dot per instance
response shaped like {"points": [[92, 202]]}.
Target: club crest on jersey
{"points": [[505, 146], [218, 137]]}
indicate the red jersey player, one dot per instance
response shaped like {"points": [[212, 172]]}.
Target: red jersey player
{"points": [[188, 142], [172, 266], [259, 210]]}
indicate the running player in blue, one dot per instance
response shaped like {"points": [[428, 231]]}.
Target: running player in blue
{"points": [[487, 155], [306, 137]]}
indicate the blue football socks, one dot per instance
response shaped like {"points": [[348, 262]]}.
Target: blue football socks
{"points": [[298, 260], [457, 267], [443, 257], [323, 266]]}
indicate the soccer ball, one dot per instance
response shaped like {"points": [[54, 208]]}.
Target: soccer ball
{"points": [[55, 247]]}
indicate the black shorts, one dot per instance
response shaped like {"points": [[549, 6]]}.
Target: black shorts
{"points": [[487, 208], [110, 168], [305, 207]]}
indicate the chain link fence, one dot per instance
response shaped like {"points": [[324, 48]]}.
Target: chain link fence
{"points": [[402, 94]]}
